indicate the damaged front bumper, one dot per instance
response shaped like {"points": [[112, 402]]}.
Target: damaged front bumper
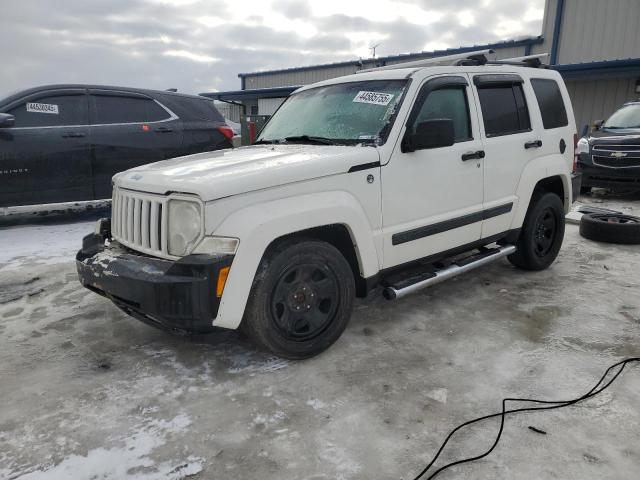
{"points": [[177, 295]]}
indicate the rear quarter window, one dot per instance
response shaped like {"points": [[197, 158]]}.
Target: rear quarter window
{"points": [[551, 103], [193, 109]]}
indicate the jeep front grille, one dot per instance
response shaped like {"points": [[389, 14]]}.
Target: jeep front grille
{"points": [[138, 221]]}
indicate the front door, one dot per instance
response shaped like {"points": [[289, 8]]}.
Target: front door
{"points": [[45, 156], [129, 130], [432, 199]]}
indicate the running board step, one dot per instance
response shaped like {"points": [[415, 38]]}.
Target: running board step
{"points": [[417, 282]]}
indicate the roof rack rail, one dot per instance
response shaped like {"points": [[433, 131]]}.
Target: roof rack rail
{"points": [[478, 57], [532, 61]]}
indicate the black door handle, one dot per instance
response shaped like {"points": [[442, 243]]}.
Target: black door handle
{"points": [[164, 130], [534, 144], [472, 155], [73, 135]]}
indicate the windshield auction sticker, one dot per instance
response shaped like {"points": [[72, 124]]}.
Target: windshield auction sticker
{"points": [[42, 108], [374, 98]]}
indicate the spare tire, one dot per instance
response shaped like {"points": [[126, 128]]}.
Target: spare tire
{"points": [[610, 228]]}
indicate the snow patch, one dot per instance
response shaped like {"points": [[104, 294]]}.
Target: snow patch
{"points": [[316, 404], [439, 395], [131, 461], [44, 244]]}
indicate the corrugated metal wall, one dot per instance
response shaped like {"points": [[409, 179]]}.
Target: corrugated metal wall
{"points": [[267, 106], [597, 99], [599, 30], [296, 77], [229, 111], [593, 30], [304, 77]]}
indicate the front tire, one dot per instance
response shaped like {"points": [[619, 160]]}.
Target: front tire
{"points": [[301, 299], [542, 233]]}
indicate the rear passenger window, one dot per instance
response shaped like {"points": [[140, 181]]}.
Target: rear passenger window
{"points": [[52, 111], [449, 103], [504, 109], [110, 109], [554, 113]]}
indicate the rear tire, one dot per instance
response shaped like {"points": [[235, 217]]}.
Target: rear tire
{"points": [[542, 233], [301, 299]]}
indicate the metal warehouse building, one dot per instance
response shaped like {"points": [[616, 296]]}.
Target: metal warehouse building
{"points": [[595, 44]]}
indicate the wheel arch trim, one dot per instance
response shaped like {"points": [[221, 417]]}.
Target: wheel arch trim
{"points": [[258, 226], [535, 172]]}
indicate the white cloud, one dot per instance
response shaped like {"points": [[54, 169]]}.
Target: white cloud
{"points": [[466, 18], [199, 45], [191, 56]]}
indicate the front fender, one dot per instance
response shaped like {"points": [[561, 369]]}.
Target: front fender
{"points": [[257, 226], [534, 171]]}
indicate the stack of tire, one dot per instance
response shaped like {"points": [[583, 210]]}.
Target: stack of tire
{"points": [[611, 228]]}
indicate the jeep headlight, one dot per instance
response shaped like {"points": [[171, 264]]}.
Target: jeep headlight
{"points": [[184, 226]]}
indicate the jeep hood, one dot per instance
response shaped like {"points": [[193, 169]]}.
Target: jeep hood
{"points": [[222, 173]]}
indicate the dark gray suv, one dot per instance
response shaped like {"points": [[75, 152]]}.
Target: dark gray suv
{"points": [[63, 143]]}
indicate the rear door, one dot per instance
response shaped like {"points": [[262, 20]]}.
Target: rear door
{"points": [[511, 139], [45, 156], [128, 130]]}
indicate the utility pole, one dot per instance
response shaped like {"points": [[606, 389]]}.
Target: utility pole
{"points": [[373, 48]]}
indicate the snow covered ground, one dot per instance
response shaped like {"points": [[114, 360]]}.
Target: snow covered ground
{"points": [[33, 245], [90, 393]]}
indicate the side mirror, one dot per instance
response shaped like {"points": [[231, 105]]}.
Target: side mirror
{"points": [[434, 133], [597, 125], [6, 120]]}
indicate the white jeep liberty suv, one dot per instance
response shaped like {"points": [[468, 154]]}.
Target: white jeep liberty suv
{"points": [[401, 176]]}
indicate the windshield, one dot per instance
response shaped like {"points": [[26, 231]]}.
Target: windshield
{"points": [[348, 113], [627, 117]]}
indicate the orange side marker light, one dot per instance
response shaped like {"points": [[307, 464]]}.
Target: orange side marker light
{"points": [[223, 274]]}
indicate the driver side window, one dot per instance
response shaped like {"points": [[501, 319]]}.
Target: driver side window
{"points": [[447, 103]]}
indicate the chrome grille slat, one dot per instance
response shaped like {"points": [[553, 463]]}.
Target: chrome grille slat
{"points": [[145, 224], [153, 226], [114, 208], [131, 202], [163, 229], [139, 221]]}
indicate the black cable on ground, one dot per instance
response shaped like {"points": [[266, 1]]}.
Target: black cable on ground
{"points": [[548, 405]]}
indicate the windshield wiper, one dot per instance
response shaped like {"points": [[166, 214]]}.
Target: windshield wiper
{"points": [[312, 139], [265, 142]]}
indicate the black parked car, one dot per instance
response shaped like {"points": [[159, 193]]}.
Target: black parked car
{"points": [[609, 157], [63, 143]]}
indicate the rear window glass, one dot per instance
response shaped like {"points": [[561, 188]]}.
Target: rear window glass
{"points": [[52, 111], [111, 109], [554, 113], [193, 108], [504, 109]]}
